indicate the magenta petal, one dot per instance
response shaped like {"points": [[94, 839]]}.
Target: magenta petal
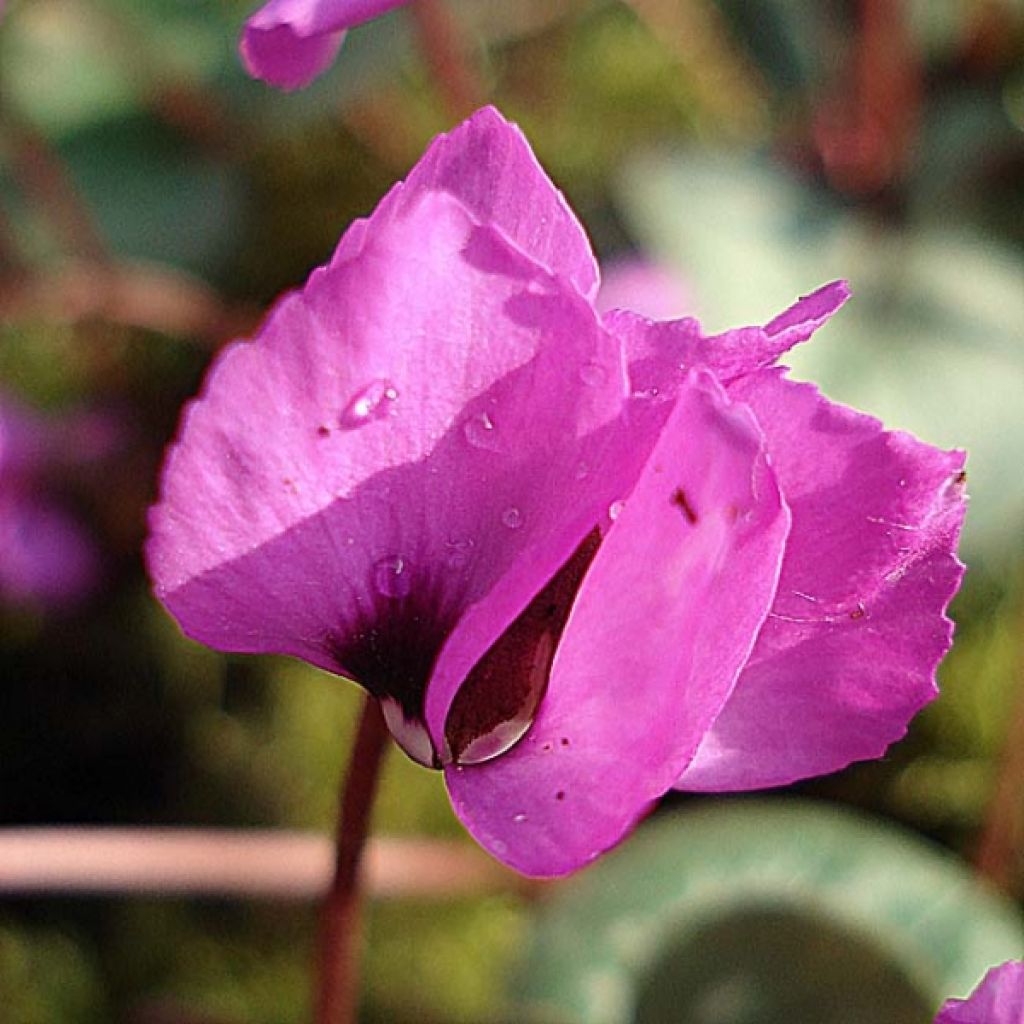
{"points": [[289, 42], [488, 165], [382, 456], [664, 620], [999, 999], [849, 651], [657, 352]]}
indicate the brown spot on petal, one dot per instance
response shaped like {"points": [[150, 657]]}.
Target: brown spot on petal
{"points": [[682, 502], [961, 477], [498, 701]]}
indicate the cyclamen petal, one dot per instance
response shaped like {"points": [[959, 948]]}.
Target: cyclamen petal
{"points": [[849, 650], [365, 510], [658, 352], [560, 548], [999, 999], [289, 42], [690, 565]]}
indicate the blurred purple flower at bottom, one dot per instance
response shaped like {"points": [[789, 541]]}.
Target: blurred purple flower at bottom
{"points": [[999, 999], [288, 43], [580, 560], [46, 557]]}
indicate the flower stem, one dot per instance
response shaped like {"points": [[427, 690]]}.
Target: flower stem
{"points": [[444, 49], [1002, 837], [337, 992]]}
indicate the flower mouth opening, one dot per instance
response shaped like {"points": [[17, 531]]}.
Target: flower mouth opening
{"points": [[393, 660]]}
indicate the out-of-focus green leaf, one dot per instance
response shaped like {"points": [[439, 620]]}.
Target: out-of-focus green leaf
{"points": [[46, 978], [154, 196], [767, 912]]}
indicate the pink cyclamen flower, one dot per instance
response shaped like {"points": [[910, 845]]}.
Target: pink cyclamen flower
{"points": [[289, 42], [999, 999], [579, 560], [45, 556]]}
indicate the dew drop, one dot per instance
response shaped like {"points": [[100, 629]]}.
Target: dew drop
{"points": [[519, 818], [372, 402], [593, 374], [391, 577], [481, 433], [582, 471], [512, 517], [458, 551], [615, 510]]}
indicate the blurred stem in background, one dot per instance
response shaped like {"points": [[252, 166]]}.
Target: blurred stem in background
{"points": [[337, 993], [445, 52], [1002, 838], [867, 131], [43, 179]]}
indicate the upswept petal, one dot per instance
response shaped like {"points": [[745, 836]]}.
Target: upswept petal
{"points": [[659, 352], [999, 999], [664, 620], [289, 42], [404, 435], [487, 164], [849, 651]]}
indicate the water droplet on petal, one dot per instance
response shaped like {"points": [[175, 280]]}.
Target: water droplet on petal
{"points": [[512, 517], [615, 510], [480, 432], [654, 395], [458, 551], [519, 818], [582, 471], [391, 577], [593, 374], [372, 402]]}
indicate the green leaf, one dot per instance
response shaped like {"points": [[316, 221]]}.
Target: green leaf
{"points": [[757, 912]]}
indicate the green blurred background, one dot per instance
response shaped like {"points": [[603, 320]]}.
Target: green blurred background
{"points": [[153, 200]]}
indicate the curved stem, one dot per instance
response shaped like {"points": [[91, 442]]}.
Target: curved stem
{"points": [[445, 52], [337, 992], [1002, 836]]}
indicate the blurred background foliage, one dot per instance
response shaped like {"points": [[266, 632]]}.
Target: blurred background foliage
{"points": [[154, 200]]}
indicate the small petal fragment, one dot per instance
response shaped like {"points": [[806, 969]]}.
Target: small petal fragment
{"points": [[289, 42], [658, 352], [849, 651], [662, 624], [999, 999]]}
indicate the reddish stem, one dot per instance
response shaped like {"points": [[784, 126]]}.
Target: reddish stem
{"points": [[43, 177], [337, 993], [445, 51], [1003, 833]]}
